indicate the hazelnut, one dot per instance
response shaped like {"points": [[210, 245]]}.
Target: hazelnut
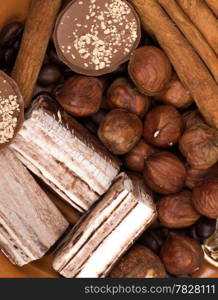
{"points": [[164, 173], [177, 210], [194, 177], [122, 94], [181, 254], [205, 198], [120, 130], [163, 126], [199, 144], [150, 69], [175, 94], [135, 158], [139, 262], [192, 117], [80, 96]]}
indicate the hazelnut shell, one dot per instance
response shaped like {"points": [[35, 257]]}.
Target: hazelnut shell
{"points": [[177, 210], [164, 173], [181, 254], [139, 262]]}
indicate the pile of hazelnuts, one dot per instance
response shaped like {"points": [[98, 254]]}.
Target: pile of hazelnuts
{"points": [[143, 114]]}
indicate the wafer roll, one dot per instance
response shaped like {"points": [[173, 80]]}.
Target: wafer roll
{"points": [[107, 231], [29, 222], [61, 152]]}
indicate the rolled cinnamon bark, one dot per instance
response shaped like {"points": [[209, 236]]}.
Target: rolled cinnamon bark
{"points": [[213, 4], [191, 70], [107, 231], [64, 155], [29, 222], [203, 18], [38, 29], [194, 36]]}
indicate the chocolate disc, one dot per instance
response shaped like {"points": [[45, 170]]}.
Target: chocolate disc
{"points": [[11, 109], [94, 37]]}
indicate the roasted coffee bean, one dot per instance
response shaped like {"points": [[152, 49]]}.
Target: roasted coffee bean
{"points": [[16, 45], [52, 55], [50, 74], [67, 73], [8, 57], [10, 33], [193, 234], [153, 239], [205, 227]]}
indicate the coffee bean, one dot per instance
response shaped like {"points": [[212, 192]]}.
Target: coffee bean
{"points": [[205, 227], [52, 55], [193, 234], [50, 74], [8, 57], [10, 33], [153, 239], [67, 73], [16, 45]]}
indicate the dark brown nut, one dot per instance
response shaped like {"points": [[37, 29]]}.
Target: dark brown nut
{"points": [[122, 94], [205, 198], [164, 173], [181, 254], [177, 211], [50, 74], [175, 94], [192, 117], [120, 131], [194, 177], [163, 126], [150, 69], [135, 159], [81, 96], [139, 262], [199, 144]]}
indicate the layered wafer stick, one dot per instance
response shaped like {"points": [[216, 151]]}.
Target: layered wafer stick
{"points": [[65, 155], [29, 222], [107, 231]]}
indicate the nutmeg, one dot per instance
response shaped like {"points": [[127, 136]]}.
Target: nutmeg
{"points": [[81, 96], [199, 144], [163, 126], [175, 94], [164, 173], [120, 130], [205, 197], [150, 69], [122, 94], [139, 262], [181, 254], [177, 210], [135, 159]]}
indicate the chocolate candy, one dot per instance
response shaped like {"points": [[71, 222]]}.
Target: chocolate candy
{"points": [[64, 155], [101, 237], [11, 109], [94, 37]]}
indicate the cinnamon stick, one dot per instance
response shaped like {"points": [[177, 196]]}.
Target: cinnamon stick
{"points": [[191, 70], [193, 35], [213, 4], [38, 29], [203, 18]]}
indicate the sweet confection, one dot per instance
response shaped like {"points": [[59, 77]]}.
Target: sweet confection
{"points": [[94, 37], [107, 231], [61, 152], [11, 109], [29, 222]]}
